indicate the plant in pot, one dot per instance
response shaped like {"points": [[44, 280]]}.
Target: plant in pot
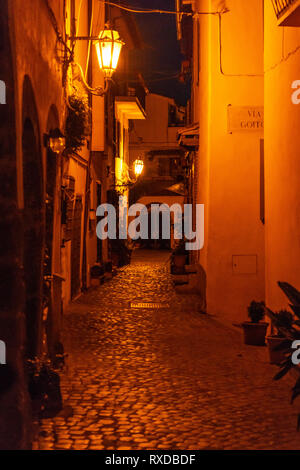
{"points": [[292, 335], [255, 330], [179, 258], [44, 387], [279, 347], [120, 253]]}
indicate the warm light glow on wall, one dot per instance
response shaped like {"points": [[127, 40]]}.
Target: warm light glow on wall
{"points": [[108, 50]]}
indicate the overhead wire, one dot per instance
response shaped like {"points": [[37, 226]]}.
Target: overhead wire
{"points": [[166, 12], [282, 60], [221, 61]]}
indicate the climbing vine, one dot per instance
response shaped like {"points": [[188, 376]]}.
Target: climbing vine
{"points": [[78, 122]]}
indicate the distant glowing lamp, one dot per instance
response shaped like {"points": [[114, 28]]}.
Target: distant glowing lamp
{"points": [[138, 167], [108, 48]]}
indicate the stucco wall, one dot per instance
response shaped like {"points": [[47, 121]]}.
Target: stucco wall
{"points": [[282, 150], [153, 132], [229, 164]]}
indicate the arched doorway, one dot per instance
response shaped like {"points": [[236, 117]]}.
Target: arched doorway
{"points": [[33, 222]]}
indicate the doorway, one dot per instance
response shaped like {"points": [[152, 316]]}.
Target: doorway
{"points": [[76, 248]]}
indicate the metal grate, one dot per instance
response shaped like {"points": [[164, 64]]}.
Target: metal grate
{"points": [[147, 305], [281, 6]]}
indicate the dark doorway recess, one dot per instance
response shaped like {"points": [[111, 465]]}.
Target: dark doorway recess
{"points": [[76, 248], [52, 286], [99, 241]]}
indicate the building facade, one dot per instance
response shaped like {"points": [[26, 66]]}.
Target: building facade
{"points": [[227, 102], [244, 61], [50, 193], [282, 146]]}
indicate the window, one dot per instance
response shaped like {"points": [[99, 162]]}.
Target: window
{"points": [[176, 116]]}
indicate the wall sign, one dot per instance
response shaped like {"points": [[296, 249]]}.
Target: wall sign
{"points": [[245, 119]]}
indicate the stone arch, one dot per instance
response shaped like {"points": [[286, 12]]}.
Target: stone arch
{"points": [[34, 215]]}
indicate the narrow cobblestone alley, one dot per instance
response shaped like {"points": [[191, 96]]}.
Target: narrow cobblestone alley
{"points": [[163, 378]]}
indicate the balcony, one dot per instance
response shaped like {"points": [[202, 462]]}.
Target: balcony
{"points": [[129, 107], [287, 12]]}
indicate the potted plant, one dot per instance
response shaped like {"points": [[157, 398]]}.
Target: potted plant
{"points": [[282, 321], [44, 387], [255, 330], [120, 253], [179, 258], [96, 272], [291, 334]]}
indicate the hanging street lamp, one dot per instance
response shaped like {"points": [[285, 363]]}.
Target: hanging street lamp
{"points": [[55, 141], [108, 47]]}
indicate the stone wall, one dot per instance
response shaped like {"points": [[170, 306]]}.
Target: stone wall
{"points": [[14, 402]]}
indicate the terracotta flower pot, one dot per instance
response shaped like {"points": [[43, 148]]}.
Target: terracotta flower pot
{"points": [[255, 333], [115, 259], [276, 357], [179, 260]]}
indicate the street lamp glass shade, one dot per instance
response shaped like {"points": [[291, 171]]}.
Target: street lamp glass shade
{"points": [[57, 141], [57, 145], [108, 49], [138, 167]]}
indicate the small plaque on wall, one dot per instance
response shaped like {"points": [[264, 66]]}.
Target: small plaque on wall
{"points": [[245, 119]]}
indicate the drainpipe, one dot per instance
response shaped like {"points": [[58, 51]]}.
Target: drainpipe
{"points": [[178, 20], [88, 178]]}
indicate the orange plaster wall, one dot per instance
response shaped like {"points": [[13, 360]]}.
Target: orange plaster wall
{"points": [[282, 149], [229, 164]]}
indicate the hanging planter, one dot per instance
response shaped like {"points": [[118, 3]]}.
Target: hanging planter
{"points": [[78, 122]]}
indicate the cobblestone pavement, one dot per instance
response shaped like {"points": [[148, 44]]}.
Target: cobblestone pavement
{"points": [[167, 378]]}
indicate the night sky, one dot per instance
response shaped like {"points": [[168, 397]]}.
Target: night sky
{"points": [[160, 59]]}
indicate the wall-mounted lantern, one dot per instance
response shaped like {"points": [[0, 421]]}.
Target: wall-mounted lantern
{"points": [[55, 141], [138, 167]]}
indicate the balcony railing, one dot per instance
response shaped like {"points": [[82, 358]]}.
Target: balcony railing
{"points": [[281, 6], [287, 12]]}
